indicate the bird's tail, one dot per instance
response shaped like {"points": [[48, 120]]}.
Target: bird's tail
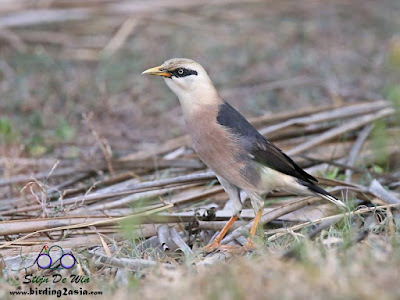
{"points": [[329, 197], [324, 194]]}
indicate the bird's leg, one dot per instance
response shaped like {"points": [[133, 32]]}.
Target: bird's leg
{"points": [[250, 245], [234, 195], [215, 244]]}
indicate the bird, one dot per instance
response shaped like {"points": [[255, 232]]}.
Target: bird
{"points": [[241, 158]]}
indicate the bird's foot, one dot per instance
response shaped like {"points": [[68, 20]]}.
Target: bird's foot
{"points": [[249, 246], [214, 246]]}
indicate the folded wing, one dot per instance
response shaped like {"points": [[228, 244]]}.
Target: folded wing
{"points": [[259, 148]]}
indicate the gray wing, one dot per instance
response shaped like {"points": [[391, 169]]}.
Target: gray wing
{"points": [[264, 152]]}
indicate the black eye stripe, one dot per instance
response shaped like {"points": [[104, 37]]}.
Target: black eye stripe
{"points": [[182, 72]]}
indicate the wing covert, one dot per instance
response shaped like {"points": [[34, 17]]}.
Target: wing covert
{"points": [[263, 151]]}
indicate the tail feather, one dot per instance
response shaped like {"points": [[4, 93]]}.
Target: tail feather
{"points": [[322, 193], [329, 197]]}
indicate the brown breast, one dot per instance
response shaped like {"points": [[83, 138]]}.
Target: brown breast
{"points": [[220, 150]]}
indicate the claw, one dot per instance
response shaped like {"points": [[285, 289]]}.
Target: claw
{"points": [[249, 246], [223, 248], [216, 243], [233, 249], [211, 247]]}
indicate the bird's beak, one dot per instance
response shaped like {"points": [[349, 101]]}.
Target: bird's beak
{"points": [[160, 71]]}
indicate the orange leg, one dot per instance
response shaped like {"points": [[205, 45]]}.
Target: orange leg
{"points": [[215, 244], [249, 244]]}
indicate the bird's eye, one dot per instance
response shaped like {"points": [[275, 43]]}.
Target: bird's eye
{"points": [[180, 71]]}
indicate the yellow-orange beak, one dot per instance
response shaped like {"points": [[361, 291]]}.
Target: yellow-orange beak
{"points": [[157, 71]]}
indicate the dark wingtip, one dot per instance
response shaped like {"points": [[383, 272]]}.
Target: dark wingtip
{"points": [[314, 188]]}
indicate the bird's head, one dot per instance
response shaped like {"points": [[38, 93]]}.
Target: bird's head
{"points": [[187, 79]]}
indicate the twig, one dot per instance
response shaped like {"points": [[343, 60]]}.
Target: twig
{"points": [[339, 113], [338, 163], [277, 117], [101, 222], [13, 39], [131, 199], [134, 188], [83, 170], [359, 122], [355, 150], [38, 176], [332, 218], [129, 263], [120, 37], [164, 236], [377, 189], [180, 242]]}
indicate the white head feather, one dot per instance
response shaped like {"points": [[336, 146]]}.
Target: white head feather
{"points": [[192, 90]]}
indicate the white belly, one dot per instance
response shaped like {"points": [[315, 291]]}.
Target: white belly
{"points": [[272, 180]]}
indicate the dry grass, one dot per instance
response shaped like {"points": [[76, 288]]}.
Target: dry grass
{"points": [[319, 274]]}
